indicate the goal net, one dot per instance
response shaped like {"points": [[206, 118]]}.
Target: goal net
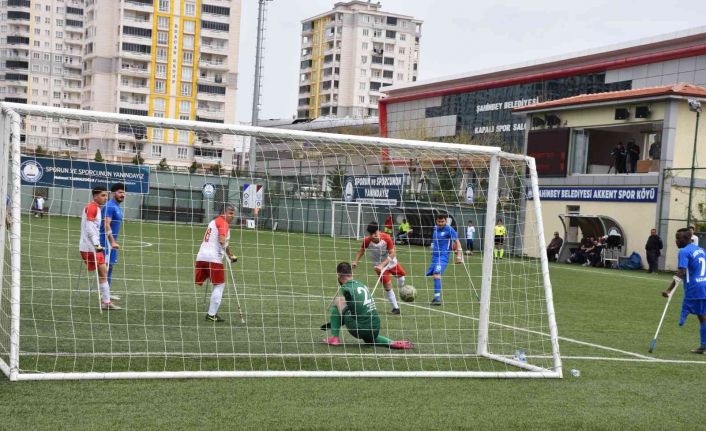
{"points": [[494, 316]]}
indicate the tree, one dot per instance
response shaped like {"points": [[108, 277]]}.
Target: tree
{"points": [[335, 179], [99, 156], [194, 166], [162, 165], [216, 169], [138, 160]]}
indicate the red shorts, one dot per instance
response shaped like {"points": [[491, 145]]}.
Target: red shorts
{"points": [[209, 270], [90, 258], [396, 271]]}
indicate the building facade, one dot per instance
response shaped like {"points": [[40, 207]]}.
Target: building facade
{"points": [[349, 54], [161, 58], [477, 107], [588, 188]]}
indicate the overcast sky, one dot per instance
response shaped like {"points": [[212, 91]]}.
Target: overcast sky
{"points": [[459, 36]]}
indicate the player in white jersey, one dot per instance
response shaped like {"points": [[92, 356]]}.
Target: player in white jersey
{"points": [[381, 249], [209, 260], [90, 246]]}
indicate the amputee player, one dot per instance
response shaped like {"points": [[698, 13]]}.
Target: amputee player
{"points": [[355, 308], [444, 239], [209, 260], [112, 215], [382, 255], [92, 251], [692, 271]]}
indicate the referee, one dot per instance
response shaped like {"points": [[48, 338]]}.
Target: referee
{"points": [[500, 233]]}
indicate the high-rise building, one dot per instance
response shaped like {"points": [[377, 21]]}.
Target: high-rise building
{"points": [[349, 53], [161, 58]]}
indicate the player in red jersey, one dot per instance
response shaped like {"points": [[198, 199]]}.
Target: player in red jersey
{"points": [[90, 246], [209, 260], [382, 255]]}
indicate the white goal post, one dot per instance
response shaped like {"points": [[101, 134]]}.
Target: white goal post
{"points": [[52, 327]]}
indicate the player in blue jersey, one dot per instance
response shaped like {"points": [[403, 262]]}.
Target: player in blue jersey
{"points": [[444, 240], [692, 271], [112, 215]]}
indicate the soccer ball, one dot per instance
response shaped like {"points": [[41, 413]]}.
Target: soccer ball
{"points": [[407, 293]]}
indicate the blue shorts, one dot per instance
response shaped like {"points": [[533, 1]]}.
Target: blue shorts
{"points": [[692, 306], [437, 266], [113, 256]]}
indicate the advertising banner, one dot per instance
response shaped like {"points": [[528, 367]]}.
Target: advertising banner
{"points": [[83, 174], [385, 190]]}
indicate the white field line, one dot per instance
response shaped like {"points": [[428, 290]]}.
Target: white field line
{"points": [[156, 354]]}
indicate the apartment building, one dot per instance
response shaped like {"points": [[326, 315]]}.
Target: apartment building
{"points": [[160, 58], [349, 54]]}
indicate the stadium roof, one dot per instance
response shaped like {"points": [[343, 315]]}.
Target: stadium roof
{"points": [[661, 92]]}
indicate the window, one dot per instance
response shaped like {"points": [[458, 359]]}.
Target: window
{"points": [[212, 25], [362, 86], [159, 104], [363, 72], [59, 34], [162, 54], [182, 153], [400, 76], [377, 33], [156, 150], [389, 61], [402, 50], [361, 99], [122, 147], [60, 22], [161, 70], [163, 22], [164, 5], [387, 74], [216, 10], [190, 9], [390, 34], [189, 26], [159, 86], [366, 32], [187, 57], [183, 136], [376, 73], [187, 73], [185, 117], [403, 36], [188, 41], [157, 134], [184, 106], [364, 59], [365, 45], [163, 37]]}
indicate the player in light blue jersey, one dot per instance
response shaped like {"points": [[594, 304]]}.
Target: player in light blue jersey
{"points": [[692, 271], [444, 239], [110, 228]]}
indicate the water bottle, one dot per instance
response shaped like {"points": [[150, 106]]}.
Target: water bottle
{"points": [[520, 355], [575, 372]]}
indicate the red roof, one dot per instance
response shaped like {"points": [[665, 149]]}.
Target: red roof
{"points": [[639, 93]]}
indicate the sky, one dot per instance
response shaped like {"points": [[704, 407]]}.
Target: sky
{"points": [[458, 36]]}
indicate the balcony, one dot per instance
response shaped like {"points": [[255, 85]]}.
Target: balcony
{"points": [[214, 64], [141, 5], [18, 40], [135, 70], [137, 21], [135, 88], [17, 64], [133, 104], [18, 4], [211, 47], [16, 15]]}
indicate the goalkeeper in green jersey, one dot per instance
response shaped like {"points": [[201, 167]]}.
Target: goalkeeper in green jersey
{"points": [[354, 307]]}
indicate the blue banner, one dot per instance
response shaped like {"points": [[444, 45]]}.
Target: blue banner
{"points": [[82, 174], [385, 190], [599, 194]]}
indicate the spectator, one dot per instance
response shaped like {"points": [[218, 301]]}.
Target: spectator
{"points": [[653, 249], [388, 225], [404, 230], [38, 206], [470, 235], [554, 247], [619, 155], [655, 150], [694, 238], [580, 255], [633, 155], [594, 255]]}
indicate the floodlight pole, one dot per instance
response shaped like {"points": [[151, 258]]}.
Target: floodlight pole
{"points": [[262, 6], [694, 106]]}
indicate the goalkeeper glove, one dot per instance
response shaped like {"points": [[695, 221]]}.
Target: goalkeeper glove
{"points": [[99, 248], [326, 326], [233, 259]]}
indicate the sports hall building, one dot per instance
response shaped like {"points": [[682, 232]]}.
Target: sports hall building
{"points": [[570, 113]]}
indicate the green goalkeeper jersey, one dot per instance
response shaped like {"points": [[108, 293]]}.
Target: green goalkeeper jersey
{"points": [[361, 304]]}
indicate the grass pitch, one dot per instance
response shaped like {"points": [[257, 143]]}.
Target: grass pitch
{"points": [[606, 320]]}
